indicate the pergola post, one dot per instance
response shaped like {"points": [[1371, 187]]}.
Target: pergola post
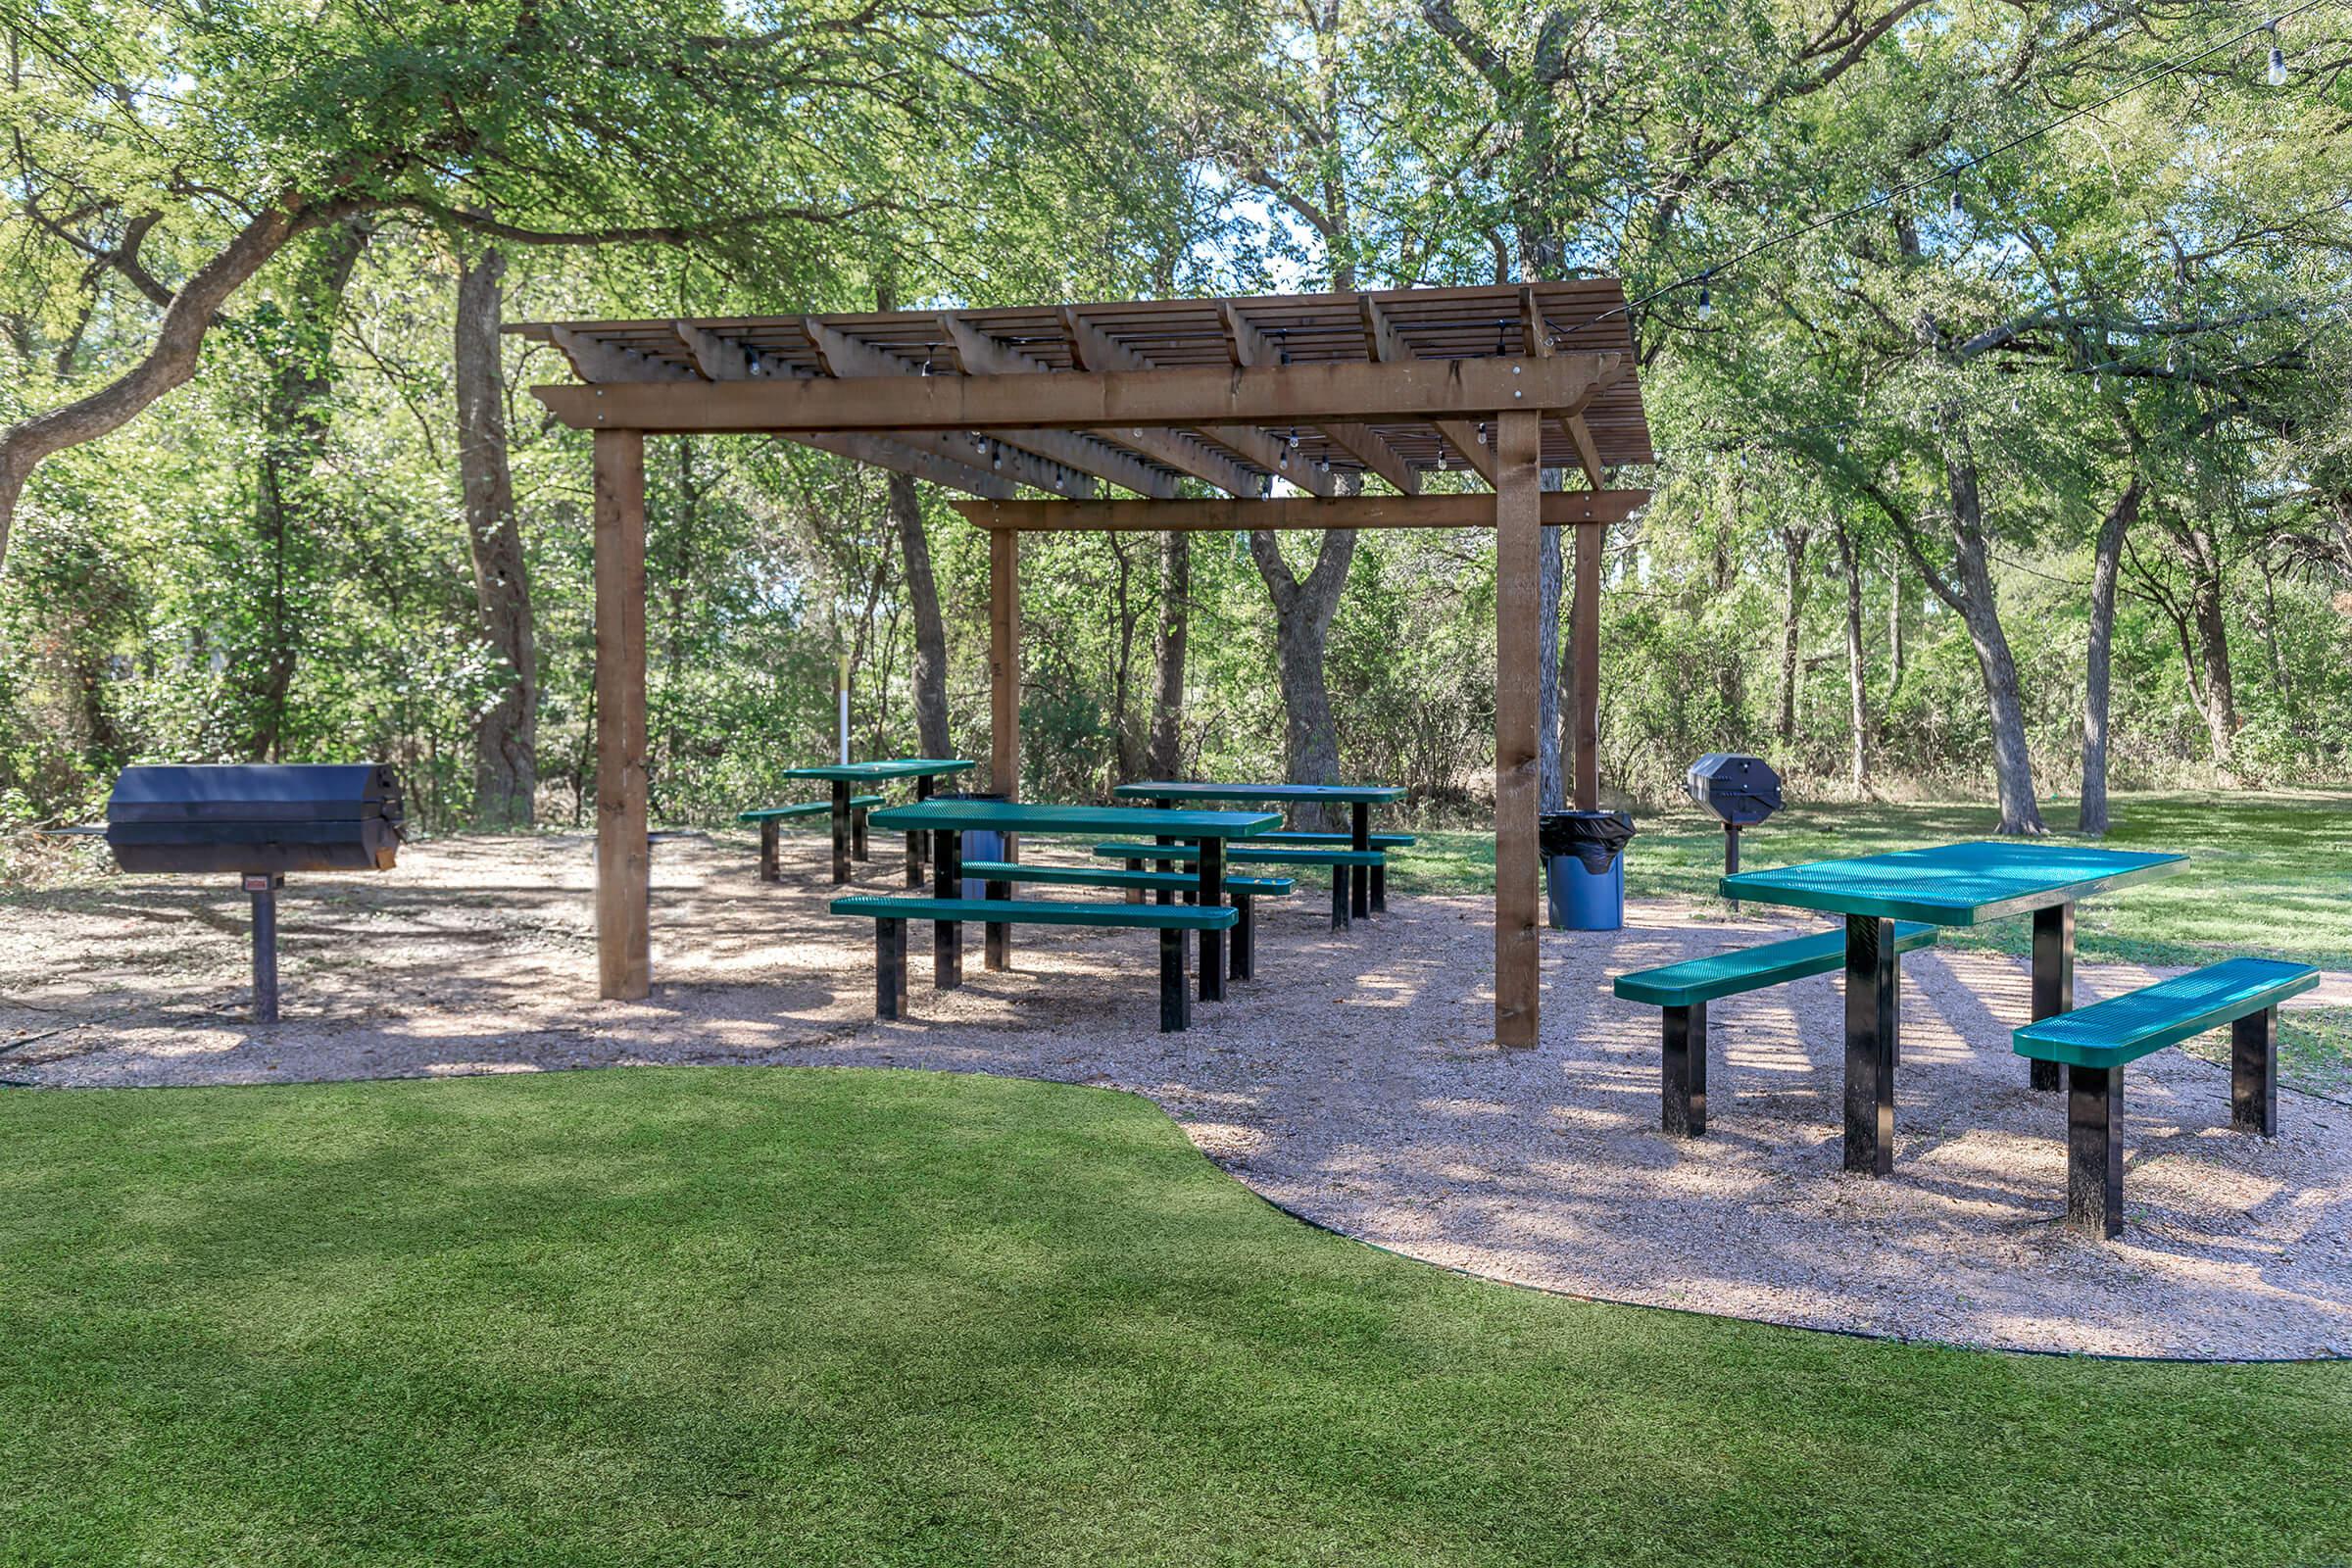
{"points": [[624, 873], [1583, 648], [1005, 664], [1518, 523]]}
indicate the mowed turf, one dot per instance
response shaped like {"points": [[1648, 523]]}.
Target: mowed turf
{"points": [[718, 1316]]}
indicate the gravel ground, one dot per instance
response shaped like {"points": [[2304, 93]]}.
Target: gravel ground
{"points": [[1353, 1082]]}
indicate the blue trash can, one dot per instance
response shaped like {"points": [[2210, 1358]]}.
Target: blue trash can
{"points": [[1584, 869], [979, 844]]}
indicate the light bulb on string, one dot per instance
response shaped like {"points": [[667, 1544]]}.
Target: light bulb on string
{"points": [[2278, 72], [1955, 206], [1707, 298]]}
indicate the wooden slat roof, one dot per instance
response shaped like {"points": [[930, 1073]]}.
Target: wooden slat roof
{"points": [[1583, 317]]}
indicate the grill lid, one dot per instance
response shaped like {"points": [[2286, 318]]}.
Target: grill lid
{"points": [[1735, 787], [303, 792]]}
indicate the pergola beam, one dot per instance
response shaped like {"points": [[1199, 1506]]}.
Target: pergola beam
{"points": [[1387, 347], [1558, 509], [860, 366], [948, 472], [1185, 396], [1096, 350]]}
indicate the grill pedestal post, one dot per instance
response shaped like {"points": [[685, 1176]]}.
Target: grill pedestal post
{"points": [[1730, 855], [264, 890]]}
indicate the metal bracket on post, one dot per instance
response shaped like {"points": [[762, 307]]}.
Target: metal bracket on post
{"points": [[264, 890]]}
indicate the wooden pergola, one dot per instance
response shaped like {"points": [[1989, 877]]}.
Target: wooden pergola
{"points": [[1037, 413]]}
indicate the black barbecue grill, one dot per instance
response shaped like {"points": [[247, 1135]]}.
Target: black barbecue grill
{"points": [[1739, 789], [259, 822]]}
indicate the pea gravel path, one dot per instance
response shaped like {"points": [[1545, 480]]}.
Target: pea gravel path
{"points": [[1353, 1083]]}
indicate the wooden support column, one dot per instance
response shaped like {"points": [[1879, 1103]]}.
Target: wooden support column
{"points": [[1005, 664], [623, 873], [1518, 525], [1584, 638]]}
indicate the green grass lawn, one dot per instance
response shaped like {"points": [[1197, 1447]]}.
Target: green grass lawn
{"points": [[719, 1316]]}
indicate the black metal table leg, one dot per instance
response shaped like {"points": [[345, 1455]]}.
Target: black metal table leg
{"points": [[947, 936], [1684, 1070], [1175, 1002], [918, 850], [2254, 1072], [995, 951], [858, 834], [1339, 897], [1243, 963], [1380, 884], [841, 830], [1870, 978], [2053, 979], [771, 858], [2094, 1154], [1359, 877], [264, 890], [890, 968], [1212, 896]]}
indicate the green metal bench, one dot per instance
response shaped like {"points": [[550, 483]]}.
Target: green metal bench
{"points": [[891, 914], [1378, 891], [1246, 852], [2094, 1043], [1245, 891], [1685, 989], [771, 817]]}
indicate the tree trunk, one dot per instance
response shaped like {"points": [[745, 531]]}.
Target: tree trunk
{"points": [[930, 631], [1303, 611], [2205, 602], [1856, 669], [1795, 542], [172, 360], [2105, 561], [1175, 624], [1126, 747], [1895, 662], [288, 510], [1969, 592], [506, 737]]}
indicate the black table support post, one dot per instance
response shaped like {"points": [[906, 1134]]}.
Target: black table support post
{"points": [[947, 936], [890, 968], [1339, 897], [2094, 1154], [772, 860], [996, 946], [1243, 963], [1870, 978], [1212, 896], [2053, 978], [841, 830], [1359, 837], [1175, 1003], [1683, 1108], [2254, 1072], [918, 841], [1163, 895], [858, 834], [264, 890]]}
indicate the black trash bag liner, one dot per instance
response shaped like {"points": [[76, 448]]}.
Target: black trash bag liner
{"points": [[1595, 837]]}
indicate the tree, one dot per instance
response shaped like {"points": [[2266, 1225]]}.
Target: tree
{"points": [[505, 768]]}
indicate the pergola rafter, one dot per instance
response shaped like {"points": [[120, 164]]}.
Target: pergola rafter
{"points": [[1246, 396]]}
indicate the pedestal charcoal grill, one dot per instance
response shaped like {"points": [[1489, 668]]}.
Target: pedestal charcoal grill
{"points": [[257, 822], [1741, 790]]}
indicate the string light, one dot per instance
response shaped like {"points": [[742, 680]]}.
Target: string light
{"points": [[1957, 208], [2277, 57], [1706, 297]]}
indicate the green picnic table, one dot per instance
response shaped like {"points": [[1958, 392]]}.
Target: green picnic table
{"points": [[946, 822], [845, 776], [1358, 798], [1955, 885]]}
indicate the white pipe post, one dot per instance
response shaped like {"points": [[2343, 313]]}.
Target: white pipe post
{"points": [[845, 710]]}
